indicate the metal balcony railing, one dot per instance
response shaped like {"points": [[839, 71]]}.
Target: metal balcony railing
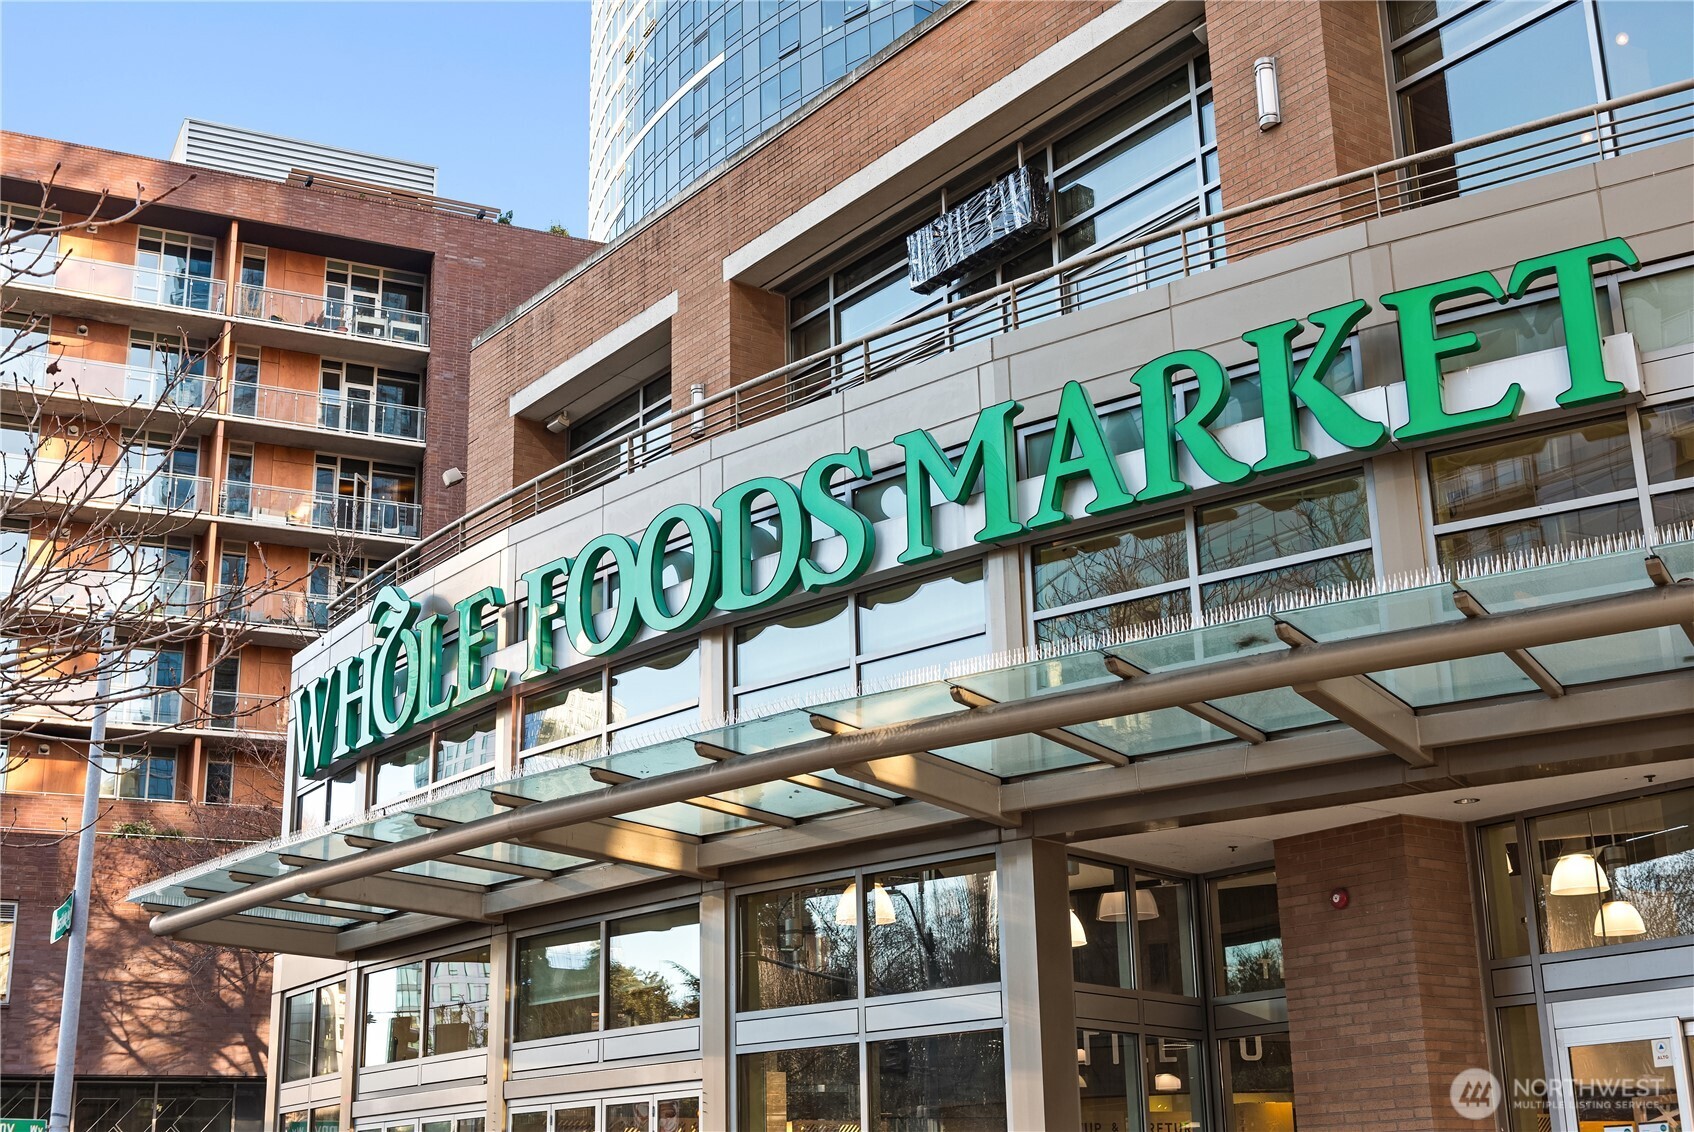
{"points": [[78, 483], [242, 713], [111, 381], [1171, 248], [160, 709], [121, 281], [308, 408], [286, 609], [79, 591], [357, 316], [295, 507]]}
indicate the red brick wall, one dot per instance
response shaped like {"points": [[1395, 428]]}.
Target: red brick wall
{"points": [[479, 272], [725, 333], [1384, 996], [151, 1007]]}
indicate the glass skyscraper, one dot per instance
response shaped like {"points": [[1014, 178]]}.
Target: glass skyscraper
{"points": [[675, 87]]}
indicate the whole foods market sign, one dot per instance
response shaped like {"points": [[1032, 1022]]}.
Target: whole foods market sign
{"points": [[407, 676]]}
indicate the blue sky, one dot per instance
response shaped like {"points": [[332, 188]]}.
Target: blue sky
{"points": [[493, 94]]}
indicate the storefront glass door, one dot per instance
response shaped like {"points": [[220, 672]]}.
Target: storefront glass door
{"points": [[1626, 1077]]}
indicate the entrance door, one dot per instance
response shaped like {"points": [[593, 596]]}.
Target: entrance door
{"points": [[1625, 1077]]}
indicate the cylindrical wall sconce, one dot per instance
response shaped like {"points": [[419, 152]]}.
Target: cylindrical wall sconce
{"points": [[1270, 98]]}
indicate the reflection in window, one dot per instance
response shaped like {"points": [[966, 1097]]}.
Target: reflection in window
{"points": [[393, 1014], [458, 1002], [787, 1090], [1247, 950], [1659, 309], [1523, 1067], [400, 773], [1502, 872], [1176, 1095], [465, 748], [958, 1080], [654, 969], [1616, 873], [1259, 1081], [929, 927], [1108, 1078], [796, 949], [558, 984], [558, 715]]}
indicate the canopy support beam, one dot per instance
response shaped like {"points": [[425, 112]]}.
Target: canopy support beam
{"points": [[1467, 603], [1200, 709], [1362, 704], [1096, 751]]}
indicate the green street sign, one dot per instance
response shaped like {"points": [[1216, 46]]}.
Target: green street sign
{"points": [[61, 929], [9, 1124]]}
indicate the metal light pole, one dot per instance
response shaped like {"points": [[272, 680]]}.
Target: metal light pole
{"points": [[70, 1009]]}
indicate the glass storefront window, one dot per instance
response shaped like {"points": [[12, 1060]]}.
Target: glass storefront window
{"points": [[558, 984], [653, 973], [458, 1002], [957, 1081], [558, 715], [1523, 1068], [1114, 562], [1615, 874], [1164, 935], [914, 613], [400, 773], [1176, 1094], [1502, 873], [1100, 903], [297, 1015], [1659, 309], [1258, 1075], [795, 951], [331, 1026], [1667, 435], [930, 927], [1247, 947], [815, 1089], [393, 1014], [1108, 1079], [1294, 520], [464, 748]]}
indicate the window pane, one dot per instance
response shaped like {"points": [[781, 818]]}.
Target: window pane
{"points": [[465, 747], [1515, 332], [918, 612], [1617, 873], [1164, 936], [1646, 44], [666, 681], [458, 1002], [1176, 1095], [558, 715], [654, 974], [1107, 1076], [794, 1089], [628, 1116], [393, 1014], [1112, 562], [529, 1122], [798, 946], [297, 1051], [1667, 436], [1098, 903], [1531, 534], [1162, 93], [1673, 508], [788, 646], [332, 1020], [957, 1080], [558, 984], [932, 927], [1524, 1069], [1532, 471], [401, 773], [1659, 309], [1259, 1070], [1291, 520], [1502, 869], [1303, 578], [1247, 956], [575, 1119]]}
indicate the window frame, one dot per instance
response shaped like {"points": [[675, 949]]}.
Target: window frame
{"points": [[422, 962], [604, 733], [314, 1036], [8, 953]]}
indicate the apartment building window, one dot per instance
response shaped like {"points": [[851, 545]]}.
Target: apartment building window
{"points": [[166, 369], [27, 347], [358, 495], [220, 782], [156, 571], [314, 1024], [1466, 69], [8, 936], [614, 708], [252, 293], [422, 1009], [14, 549], [149, 682], [18, 447], [31, 252], [226, 694], [174, 269], [138, 772], [244, 394], [368, 400], [875, 636], [640, 970], [1146, 163], [161, 470], [377, 302], [1293, 539]]}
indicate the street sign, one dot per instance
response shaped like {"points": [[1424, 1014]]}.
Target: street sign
{"points": [[8, 1124], [61, 929]]}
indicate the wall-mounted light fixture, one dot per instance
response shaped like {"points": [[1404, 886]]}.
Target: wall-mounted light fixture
{"points": [[1265, 86], [559, 422], [452, 476]]}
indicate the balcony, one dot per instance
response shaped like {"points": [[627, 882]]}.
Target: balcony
{"points": [[277, 609], [306, 408], [79, 484], [167, 708], [123, 282], [76, 379], [359, 317], [243, 713], [79, 591], [295, 507]]}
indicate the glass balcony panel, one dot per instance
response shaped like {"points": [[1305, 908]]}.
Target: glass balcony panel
{"points": [[299, 507], [360, 315], [159, 284]]}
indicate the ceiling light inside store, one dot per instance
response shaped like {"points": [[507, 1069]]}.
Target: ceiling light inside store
{"points": [[1578, 874], [1617, 919], [1079, 938]]}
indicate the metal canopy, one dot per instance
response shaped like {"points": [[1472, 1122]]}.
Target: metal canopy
{"points": [[947, 748]]}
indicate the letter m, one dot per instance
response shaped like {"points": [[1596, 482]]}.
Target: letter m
{"points": [[990, 456], [314, 723]]}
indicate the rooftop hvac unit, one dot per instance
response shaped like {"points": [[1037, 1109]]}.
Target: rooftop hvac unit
{"points": [[980, 230]]}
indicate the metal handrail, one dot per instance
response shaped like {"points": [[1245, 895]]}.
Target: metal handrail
{"points": [[357, 316], [1145, 258]]}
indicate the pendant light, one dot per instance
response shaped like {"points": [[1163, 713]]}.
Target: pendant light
{"points": [[847, 906], [1146, 906], [1166, 1083], [1578, 874], [1618, 919], [1079, 938], [1113, 907]]}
